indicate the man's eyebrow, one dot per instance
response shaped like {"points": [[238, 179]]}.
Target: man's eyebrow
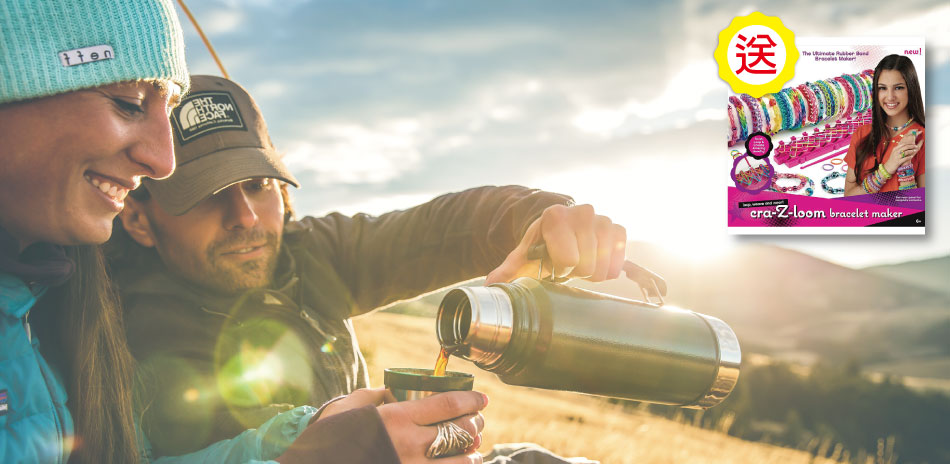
{"points": [[165, 92]]}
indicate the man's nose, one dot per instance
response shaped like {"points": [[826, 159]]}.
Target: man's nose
{"points": [[241, 212]]}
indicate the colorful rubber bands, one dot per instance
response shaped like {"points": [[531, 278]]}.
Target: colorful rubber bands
{"points": [[804, 105], [753, 176], [802, 181]]}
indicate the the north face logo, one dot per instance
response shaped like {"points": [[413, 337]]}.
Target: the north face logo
{"points": [[205, 112]]}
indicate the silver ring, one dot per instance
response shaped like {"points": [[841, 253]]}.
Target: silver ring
{"points": [[451, 440]]}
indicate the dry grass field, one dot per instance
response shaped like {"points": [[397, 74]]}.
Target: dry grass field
{"points": [[568, 423]]}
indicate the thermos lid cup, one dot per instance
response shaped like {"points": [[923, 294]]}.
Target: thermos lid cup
{"points": [[409, 383]]}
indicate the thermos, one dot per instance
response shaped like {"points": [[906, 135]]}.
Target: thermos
{"points": [[542, 334]]}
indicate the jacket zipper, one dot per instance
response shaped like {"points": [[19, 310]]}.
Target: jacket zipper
{"points": [[340, 376], [26, 325], [57, 420]]}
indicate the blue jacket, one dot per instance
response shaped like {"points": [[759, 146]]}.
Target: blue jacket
{"points": [[33, 414], [34, 421]]}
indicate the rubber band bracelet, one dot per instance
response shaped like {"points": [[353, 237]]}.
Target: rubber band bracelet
{"points": [[766, 118], [839, 161], [821, 101], [856, 91], [803, 180], [754, 109], [828, 167], [827, 179]]}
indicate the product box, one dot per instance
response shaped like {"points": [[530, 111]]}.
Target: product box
{"points": [[792, 155]]}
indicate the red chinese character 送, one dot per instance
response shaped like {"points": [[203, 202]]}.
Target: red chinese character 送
{"points": [[758, 53]]}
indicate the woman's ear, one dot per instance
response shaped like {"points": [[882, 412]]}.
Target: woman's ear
{"points": [[136, 222]]}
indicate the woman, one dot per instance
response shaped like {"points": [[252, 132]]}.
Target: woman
{"points": [[85, 90], [888, 154]]}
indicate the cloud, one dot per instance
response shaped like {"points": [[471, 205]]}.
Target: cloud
{"points": [[268, 89], [221, 22], [682, 94], [938, 123], [459, 40], [354, 154]]}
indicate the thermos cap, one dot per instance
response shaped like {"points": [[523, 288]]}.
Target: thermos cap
{"points": [[423, 380]]}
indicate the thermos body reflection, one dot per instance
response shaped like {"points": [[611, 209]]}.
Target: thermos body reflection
{"points": [[541, 334]]}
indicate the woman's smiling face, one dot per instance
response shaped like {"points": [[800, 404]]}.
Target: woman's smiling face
{"points": [[892, 93], [69, 160]]}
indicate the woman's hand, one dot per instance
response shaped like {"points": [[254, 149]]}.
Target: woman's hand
{"points": [[903, 153], [412, 425], [579, 242]]}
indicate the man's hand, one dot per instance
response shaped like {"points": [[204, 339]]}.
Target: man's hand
{"points": [[357, 399], [579, 242]]}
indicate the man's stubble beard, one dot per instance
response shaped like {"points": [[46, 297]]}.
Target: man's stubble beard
{"points": [[235, 279]]}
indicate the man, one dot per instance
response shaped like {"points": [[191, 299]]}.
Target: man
{"points": [[235, 311]]}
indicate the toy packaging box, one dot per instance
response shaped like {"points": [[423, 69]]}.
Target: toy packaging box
{"points": [[792, 154]]}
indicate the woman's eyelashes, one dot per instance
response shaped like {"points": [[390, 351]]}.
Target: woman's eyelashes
{"points": [[129, 107]]}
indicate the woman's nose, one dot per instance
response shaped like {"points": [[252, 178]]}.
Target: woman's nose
{"points": [[154, 150]]}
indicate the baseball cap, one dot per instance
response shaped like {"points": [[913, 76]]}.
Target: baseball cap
{"points": [[220, 139]]}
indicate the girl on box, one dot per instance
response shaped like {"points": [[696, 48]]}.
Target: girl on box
{"points": [[888, 154]]}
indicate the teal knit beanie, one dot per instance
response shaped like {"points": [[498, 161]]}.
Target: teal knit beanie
{"points": [[54, 46]]}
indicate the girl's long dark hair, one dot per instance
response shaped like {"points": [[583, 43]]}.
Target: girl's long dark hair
{"points": [[879, 130], [79, 325]]}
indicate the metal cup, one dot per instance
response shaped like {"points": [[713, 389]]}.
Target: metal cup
{"points": [[413, 384]]}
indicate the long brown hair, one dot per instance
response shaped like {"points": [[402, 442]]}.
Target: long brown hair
{"points": [[80, 328], [879, 130]]}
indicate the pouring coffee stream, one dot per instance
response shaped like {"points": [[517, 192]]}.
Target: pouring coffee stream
{"points": [[539, 333]]}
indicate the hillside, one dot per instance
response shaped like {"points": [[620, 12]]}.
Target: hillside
{"points": [[933, 273]]}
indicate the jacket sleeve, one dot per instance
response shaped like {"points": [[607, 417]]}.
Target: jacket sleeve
{"points": [[258, 445], [353, 437], [357, 436], [403, 254]]}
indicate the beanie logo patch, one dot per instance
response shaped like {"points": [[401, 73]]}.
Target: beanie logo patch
{"points": [[85, 55], [206, 112], [4, 407]]}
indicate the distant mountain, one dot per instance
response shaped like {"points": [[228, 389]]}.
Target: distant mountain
{"points": [[930, 273]]}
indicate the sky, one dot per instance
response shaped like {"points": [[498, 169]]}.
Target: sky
{"points": [[382, 105]]}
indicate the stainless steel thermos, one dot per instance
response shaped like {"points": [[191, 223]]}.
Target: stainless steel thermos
{"points": [[542, 334]]}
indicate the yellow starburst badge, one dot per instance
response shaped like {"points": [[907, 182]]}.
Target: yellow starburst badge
{"points": [[756, 54]]}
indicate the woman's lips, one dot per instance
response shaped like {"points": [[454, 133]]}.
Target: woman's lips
{"points": [[108, 187]]}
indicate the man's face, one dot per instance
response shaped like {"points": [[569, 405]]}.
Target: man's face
{"points": [[228, 242]]}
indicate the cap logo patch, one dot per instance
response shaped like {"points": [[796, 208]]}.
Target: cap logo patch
{"points": [[206, 112], [85, 55]]}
